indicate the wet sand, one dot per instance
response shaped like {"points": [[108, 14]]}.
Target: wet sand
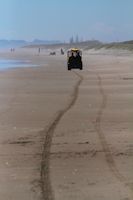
{"points": [[67, 134]]}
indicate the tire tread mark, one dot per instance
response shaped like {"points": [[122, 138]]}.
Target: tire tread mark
{"points": [[46, 187], [108, 155]]}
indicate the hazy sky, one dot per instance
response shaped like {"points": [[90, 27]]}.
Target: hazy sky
{"points": [[105, 20]]}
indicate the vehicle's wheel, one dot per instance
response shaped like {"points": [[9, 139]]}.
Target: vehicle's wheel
{"points": [[68, 66], [81, 68]]}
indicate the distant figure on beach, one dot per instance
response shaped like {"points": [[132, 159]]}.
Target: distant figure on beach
{"points": [[12, 49], [39, 50], [62, 52]]}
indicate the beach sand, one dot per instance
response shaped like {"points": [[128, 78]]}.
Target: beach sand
{"points": [[67, 134]]}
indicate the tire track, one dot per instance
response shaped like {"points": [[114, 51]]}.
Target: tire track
{"points": [[45, 163], [108, 155]]}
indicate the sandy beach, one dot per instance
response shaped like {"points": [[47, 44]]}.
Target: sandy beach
{"points": [[67, 135]]}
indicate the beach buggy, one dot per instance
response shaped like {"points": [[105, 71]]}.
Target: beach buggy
{"points": [[74, 59]]}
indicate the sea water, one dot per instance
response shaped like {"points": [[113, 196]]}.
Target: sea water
{"points": [[7, 64]]}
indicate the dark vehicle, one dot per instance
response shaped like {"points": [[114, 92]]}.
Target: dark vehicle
{"points": [[52, 53], [74, 59]]}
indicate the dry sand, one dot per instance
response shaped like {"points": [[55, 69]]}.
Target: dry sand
{"points": [[67, 135]]}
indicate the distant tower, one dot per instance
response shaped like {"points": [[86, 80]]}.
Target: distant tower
{"points": [[77, 39]]}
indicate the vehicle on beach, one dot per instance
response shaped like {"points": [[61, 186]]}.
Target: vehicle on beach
{"points": [[52, 53], [74, 59]]}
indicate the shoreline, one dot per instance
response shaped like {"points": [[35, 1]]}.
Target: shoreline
{"points": [[6, 64]]}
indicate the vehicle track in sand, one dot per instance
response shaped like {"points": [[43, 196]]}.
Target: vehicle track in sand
{"points": [[108, 155], [46, 187]]}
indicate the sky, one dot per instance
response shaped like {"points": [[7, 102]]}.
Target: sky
{"points": [[104, 20]]}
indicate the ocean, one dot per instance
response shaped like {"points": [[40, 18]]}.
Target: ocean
{"points": [[7, 64]]}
